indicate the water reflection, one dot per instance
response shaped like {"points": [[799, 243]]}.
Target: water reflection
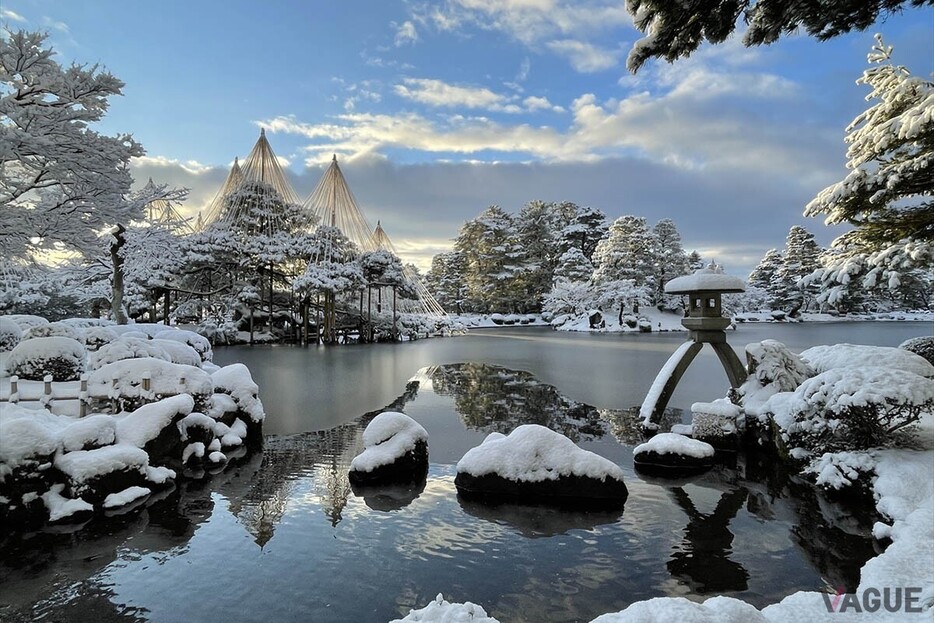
{"points": [[372, 554], [702, 559]]}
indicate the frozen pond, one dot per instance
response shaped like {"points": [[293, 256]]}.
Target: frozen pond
{"points": [[282, 537]]}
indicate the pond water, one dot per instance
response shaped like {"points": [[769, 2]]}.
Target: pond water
{"points": [[281, 536]]}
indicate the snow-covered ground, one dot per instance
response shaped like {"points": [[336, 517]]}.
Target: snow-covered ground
{"points": [[649, 318]]}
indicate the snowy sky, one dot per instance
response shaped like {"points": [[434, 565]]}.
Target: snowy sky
{"points": [[439, 109]]}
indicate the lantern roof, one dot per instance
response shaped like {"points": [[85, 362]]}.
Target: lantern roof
{"points": [[708, 279]]}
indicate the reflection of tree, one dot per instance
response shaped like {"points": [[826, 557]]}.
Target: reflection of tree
{"points": [[627, 427], [490, 398], [702, 560]]}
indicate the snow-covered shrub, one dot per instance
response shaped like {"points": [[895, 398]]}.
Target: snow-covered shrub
{"points": [[122, 381], [200, 343], [10, 334], [823, 358], [178, 352], [923, 346], [224, 332], [846, 409], [772, 368], [62, 357], [126, 348], [86, 323], [841, 470], [149, 328], [95, 337], [51, 329], [26, 321]]}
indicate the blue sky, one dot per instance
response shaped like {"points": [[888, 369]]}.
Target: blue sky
{"points": [[439, 109]]}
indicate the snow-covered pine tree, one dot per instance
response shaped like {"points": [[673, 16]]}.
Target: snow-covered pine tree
{"points": [[58, 193], [800, 258], [676, 29], [536, 237], [573, 265], [494, 261], [764, 274], [626, 253], [670, 261], [887, 197], [695, 261], [446, 282], [586, 230]]}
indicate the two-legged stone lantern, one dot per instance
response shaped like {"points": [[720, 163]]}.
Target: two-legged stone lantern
{"points": [[703, 318]]}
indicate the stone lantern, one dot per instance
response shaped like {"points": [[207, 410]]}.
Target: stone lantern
{"points": [[703, 319]]}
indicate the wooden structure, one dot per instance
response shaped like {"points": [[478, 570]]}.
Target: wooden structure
{"points": [[704, 319]]}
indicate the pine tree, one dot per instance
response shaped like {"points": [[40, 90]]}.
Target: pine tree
{"points": [[573, 265], [676, 29], [536, 238], [764, 274], [626, 253], [800, 258], [670, 261], [446, 282], [586, 230], [887, 197], [493, 260]]}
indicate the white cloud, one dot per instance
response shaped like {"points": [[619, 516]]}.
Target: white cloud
{"points": [[533, 104], [441, 94], [191, 166], [11, 15], [524, 68], [405, 34], [62, 27], [584, 57]]}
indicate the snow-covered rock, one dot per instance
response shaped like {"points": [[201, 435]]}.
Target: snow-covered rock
{"points": [[61, 357], [536, 463], [62, 509], [668, 451], [395, 449], [88, 433], [94, 474], [125, 497], [236, 398], [150, 426], [922, 345], [681, 610], [823, 358], [441, 611], [26, 435]]}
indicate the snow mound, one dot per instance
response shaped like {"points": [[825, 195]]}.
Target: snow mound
{"points": [[84, 465], [126, 348], [709, 279], [149, 329], [93, 431], [143, 425], [200, 343], [127, 496], [235, 380], [178, 352], [61, 507], [62, 357], [823, 358], [441, 611], [681, 610], [26, 321], [533, 453], [95, 337], [52, 329], [670, 443], [387, 438], [123, 380], [25, 435]]}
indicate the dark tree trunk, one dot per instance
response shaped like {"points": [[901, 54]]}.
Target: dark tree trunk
{"points": [[116, 298]]}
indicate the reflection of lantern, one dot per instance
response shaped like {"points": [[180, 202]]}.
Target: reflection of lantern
{"points": [[704, 319]]}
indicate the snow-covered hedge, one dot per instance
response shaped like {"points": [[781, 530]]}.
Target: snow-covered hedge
{"points": [[122, 381], [95, 337], [62, 357], [27, 321], [847, 409], [823, 358], [126, 348], [10, 334], [178, 352], [773, 368], [200, 343], [52, 329], [147, 328], [923, 346]]}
